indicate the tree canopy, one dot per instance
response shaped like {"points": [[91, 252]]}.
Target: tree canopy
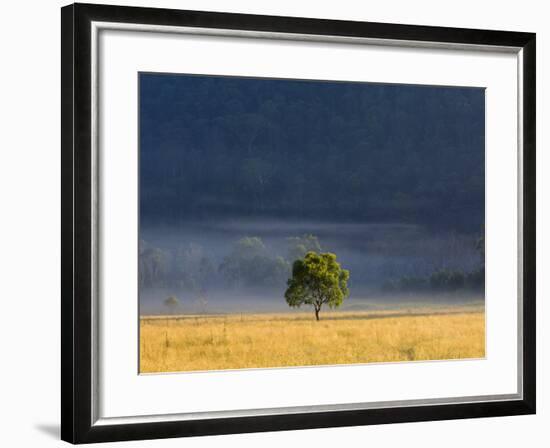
{"points": [[317, 279]]}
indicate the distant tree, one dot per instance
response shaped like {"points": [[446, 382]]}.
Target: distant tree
{"points": [[153, 266], [249, 246], [299, 246], [317, 279], [193, 269], [173, 304], [250, 264], [232, 266]]}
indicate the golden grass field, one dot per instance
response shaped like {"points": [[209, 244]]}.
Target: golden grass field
{"points": [[235, 341]]}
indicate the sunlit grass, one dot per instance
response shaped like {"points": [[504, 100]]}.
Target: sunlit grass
{"points": [[235, 341]]}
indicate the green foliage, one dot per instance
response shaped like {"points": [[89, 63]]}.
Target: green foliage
{"points": [[317, 279], [248, 247], [299, 246]]}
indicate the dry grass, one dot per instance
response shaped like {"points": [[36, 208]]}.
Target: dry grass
{"points": [[186, 343]]}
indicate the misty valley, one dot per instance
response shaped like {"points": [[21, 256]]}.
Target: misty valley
{"points": [[228, 268], [293, 222]]}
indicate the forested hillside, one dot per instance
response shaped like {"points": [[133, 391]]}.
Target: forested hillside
{"points": [[217, 147]]}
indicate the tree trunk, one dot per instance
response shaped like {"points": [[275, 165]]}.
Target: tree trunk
{"points": [[317, 313]]}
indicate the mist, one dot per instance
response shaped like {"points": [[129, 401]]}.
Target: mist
{"points": [[239, 177], [373, 253]]}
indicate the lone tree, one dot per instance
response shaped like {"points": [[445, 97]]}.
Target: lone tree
{"points": [[172, 303], [317, 279]]}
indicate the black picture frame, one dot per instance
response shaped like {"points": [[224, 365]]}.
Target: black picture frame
{"points": [[76, 218]]}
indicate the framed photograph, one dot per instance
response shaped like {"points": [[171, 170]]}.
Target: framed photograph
{"points": [[276, 223]]}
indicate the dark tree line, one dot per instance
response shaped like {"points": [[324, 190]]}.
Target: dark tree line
{"points": [[443, 280], [217, 147]]}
